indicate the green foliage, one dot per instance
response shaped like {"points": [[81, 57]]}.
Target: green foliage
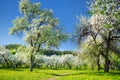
{"points": [[55, 52], [12, 47], [91, 53], [68, 52], [115, 61]]}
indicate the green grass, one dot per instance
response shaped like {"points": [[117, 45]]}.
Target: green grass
{"points": [[23, 74], [38, 74], [91, 75]]}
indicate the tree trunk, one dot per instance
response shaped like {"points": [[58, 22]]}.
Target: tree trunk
{"points": [[16, 65], [31, 63], [69, 65], [31, 58], [98, 64], [92, 66], [107, 63]]}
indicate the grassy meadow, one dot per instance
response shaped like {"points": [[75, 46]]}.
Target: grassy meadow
{"points": [[38, 74]]}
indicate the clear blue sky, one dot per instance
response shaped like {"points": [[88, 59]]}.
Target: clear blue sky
{"points": [[65, 10]]}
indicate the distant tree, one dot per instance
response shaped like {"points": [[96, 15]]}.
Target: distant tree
{"points": [[39, 27], [69, 60], [50, 52], [12, 47], [5, 57], [22, 56], [67, 52]]}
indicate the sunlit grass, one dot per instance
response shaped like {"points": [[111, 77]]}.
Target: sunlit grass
{"points": [[91, 75], [38, 74], [23, 74]]}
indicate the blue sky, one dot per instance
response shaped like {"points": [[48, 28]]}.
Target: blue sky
{"points": [[65, 10]]}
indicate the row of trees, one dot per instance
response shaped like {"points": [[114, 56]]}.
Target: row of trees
{"points": [[21, 59], [67, 61]]}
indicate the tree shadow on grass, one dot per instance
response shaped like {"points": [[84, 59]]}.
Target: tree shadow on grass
{"points": [[65, 74], [114, 73], [104, 74]]}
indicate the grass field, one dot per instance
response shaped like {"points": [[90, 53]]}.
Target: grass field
{"points": [[37, 74]]}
